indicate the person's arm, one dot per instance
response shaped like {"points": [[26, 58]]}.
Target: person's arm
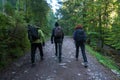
{"points": [[52, 36], [85, 36], [62, 34], [29, 36], [74, 33], [42, 36]]}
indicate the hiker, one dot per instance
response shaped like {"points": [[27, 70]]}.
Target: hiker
{"points": [[80, 39], [57, 37], [37, 40]]}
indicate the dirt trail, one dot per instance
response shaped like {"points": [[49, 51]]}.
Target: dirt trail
{"points": [[50, 69]]}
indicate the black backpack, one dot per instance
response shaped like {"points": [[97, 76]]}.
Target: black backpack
{"points": [[79, 35], [33, 33], [58, 32]]}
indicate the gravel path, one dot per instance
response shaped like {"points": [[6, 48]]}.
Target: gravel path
{"points": [[51, 69]]}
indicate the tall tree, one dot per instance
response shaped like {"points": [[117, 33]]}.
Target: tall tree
{"points": [[95, 15]]}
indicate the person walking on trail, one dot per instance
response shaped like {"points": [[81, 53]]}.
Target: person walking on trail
{"points": [[37, 40], [57, 37], [80, 39]]}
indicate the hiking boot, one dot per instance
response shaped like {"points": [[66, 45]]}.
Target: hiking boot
{"points": [[85, 64], [55, 54], [76, 59], [33, 65], [60, 60], [42, 58]]}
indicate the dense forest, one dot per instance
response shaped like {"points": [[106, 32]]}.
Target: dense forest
{"points": [[100, 19], [15, 15]]}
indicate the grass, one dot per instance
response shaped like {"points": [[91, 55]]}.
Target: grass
{"points": [[106, 61]]}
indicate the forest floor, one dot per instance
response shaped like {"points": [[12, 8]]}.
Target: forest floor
{"points": [[51, 69]]}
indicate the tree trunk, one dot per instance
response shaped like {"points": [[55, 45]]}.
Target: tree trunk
{"points": [[100, 30], [18, 5], [3, 4], [84, 13]]}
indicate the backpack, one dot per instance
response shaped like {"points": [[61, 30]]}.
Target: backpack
{"points": [[58, 32], [33, 33], [79, 35]]}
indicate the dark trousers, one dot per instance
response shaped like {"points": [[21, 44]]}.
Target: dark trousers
{"points": [[34, 46], [58, 49], [82, 46]]}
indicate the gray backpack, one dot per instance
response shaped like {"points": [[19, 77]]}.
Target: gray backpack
{"points": [[58, 32]]}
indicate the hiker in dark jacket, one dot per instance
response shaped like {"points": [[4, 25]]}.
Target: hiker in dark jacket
{"points": [[57, 37], [80, 39], [36, 43]]}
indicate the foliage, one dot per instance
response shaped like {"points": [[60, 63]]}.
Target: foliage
{"points": [[15, 16], [9, 9], [13, 39], [40, 15], [99, 16]]}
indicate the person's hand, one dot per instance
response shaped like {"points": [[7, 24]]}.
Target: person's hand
{"points": [[43, 44]]}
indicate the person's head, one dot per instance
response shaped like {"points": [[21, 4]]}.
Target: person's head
{"points": [[56, 24], [29, 25], [79, 27]]}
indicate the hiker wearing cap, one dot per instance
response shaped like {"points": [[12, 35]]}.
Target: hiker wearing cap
{"points": [[57, 38], [37, 40], [80, 39]]}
